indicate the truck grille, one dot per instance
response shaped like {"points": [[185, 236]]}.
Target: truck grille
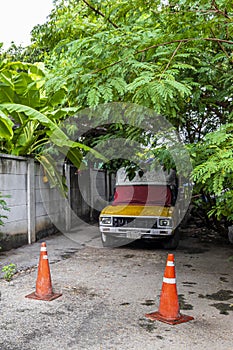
{"points": [[135, 222]]}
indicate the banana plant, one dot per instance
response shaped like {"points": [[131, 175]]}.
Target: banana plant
{"points": [[30, 121], [6, 127]]}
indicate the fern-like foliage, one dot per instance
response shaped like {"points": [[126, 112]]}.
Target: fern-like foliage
{"points": [[214, 171]]}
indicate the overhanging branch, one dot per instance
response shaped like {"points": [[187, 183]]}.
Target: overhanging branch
{"points": [[98, 12], [164, 44], [173, 55], [185, 41]]}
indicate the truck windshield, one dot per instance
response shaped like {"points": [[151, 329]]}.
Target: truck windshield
{"points": [[143, 195]]}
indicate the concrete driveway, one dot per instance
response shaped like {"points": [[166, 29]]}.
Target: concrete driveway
{"points": [[107, 292]]}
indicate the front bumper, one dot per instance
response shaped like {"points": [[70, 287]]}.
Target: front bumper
{"points": [[136, 233]]}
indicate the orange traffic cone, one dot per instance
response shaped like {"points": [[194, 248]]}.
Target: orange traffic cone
{"points": [[169, 311], [44, 289]]}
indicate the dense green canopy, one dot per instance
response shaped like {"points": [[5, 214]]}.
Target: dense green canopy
{"points": [[174, 57]]}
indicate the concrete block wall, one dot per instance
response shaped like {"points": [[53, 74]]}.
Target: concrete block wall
{"points": [[23, 189], [48, 202], [13, 183], [80, 192], [37, 210], [99, 190], [89, 193]]}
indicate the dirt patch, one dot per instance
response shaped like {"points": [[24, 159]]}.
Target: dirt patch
{"points": [[223, 308], [190, 284], [81, 291], [148, 325], [68, 254], [129, 256], [194, 250], [182, 303], [221, 295], [223, 279], [148, 302]]}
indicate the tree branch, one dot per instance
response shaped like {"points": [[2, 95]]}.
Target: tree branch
{"points": [[169, 62], [221, 46], [98, 12], [163, 44], [224, 14], [108, 66], [199, 11], [185, 41]]}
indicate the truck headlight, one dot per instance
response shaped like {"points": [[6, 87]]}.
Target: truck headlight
{"points": [[106, 220], [165, 222]]}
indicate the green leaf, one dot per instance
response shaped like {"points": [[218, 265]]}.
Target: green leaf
{"points": [[93, 97], [56, 179], [57, 98], [6, 125], [57, 136]]}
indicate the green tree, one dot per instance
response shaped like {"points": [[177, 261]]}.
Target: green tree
{"points": [[213, 158], [30, 120], [174, 57]]}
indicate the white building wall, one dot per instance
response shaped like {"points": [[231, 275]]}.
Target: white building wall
{"points": [[13, 183], [14, 186], [36, 209]]}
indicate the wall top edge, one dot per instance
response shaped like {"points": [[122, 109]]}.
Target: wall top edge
{"points": [[11, 156]]}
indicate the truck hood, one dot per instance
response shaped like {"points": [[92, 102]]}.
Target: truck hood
{"points": [[137, 210]]}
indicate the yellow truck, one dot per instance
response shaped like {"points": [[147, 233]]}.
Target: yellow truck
{"points": [[142, 208]]}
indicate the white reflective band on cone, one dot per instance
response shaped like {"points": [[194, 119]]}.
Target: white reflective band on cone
{"points": [[45, 257], [43, 249], [169, 280], [170, 263]]}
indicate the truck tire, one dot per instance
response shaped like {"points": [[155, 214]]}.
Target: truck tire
{"points": [[230, 234], [108, 241], [173, 242]]}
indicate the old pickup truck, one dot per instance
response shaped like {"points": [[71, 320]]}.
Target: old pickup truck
{"points": [[142, 208]]}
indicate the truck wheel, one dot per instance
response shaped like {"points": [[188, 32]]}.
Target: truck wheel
{"points": [[230, 234], [107, 240], [173, 241], [112, 242]]}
